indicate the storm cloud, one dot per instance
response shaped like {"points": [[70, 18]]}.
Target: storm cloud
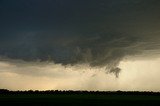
{"points": [[100, 33]]}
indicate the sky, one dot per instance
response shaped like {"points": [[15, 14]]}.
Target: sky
{"points": [[80, 44]]}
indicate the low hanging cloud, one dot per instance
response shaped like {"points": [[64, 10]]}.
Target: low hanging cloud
{"points": [[48, 75], [98, 33], [22, 75]]}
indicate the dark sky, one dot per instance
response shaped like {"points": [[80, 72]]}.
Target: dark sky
{"points": [[98, 32]]}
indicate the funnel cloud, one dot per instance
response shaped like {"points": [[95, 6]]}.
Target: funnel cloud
{"points": [[100, 33]]}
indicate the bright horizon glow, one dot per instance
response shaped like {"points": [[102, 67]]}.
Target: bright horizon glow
{"points": [[138, 75]]}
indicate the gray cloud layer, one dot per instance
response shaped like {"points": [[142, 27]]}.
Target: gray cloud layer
{"points": [[101, 32]]}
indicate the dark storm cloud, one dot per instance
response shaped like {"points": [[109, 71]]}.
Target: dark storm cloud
{"points": [[98, 32]]}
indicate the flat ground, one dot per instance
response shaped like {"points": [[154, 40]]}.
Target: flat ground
{"points": [[74, 99]]}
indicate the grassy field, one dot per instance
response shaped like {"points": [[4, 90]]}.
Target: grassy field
{"points": [[74, 99]]}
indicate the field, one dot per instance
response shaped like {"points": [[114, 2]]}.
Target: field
{"points": [[74, 98]]}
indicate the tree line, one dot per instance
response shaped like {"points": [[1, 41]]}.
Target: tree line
{"points": [[6, 91]]}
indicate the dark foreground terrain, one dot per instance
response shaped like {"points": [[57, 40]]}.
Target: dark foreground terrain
{"points": [[74, 98]]}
